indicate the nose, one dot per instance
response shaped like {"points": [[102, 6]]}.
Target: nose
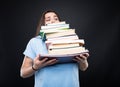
{"points": [[53, 21]]}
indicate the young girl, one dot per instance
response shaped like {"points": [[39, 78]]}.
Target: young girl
{"points": [[47, 72]]}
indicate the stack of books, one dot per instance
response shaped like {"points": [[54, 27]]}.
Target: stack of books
{"points": [[62, 42]]}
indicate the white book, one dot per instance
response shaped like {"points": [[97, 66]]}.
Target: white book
{"points": [[61, 33], [53, 30], [59, 23], [66, 41], [55, 26], [58, 46], [71, 50], [70, 37]]}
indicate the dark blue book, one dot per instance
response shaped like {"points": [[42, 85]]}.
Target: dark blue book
{"points": [[66, 58]]}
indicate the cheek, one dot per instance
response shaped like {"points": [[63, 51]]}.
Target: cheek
{"points": [[50, 22], [47, 22], [57, 21]]}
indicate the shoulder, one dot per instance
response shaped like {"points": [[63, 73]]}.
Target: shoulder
{"points": [[35, 38]]}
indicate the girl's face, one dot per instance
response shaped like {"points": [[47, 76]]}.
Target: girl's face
{"points": [[50, 18]]}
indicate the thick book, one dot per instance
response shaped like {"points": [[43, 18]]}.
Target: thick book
{"points": [[55, 27], [66, 50], [69, 37], [65, 58], [61, 33], [64, 41], [58, 23], [48, 31], [57, 46]]}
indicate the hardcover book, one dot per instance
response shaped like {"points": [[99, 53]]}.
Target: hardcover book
{"points": [[61, 33], [67, 50], [65, 58]]}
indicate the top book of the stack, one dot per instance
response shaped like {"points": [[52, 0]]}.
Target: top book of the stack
{"points": [[55, 27]]}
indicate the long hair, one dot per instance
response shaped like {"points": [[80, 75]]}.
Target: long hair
{"points": [[42, 20]]}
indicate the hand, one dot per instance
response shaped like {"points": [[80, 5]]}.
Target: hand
{"points": [[39, 63], [81, 58]]}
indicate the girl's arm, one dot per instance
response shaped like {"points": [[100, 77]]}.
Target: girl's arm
{"points": [[26, 68], [82, 61], [29, 66]]}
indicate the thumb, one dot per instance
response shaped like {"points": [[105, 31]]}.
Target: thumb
{"points": [[38, 56]]}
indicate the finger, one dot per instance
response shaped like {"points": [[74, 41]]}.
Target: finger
{"points": [[44, 60], [80, 58], [38, 56], [86, 54], [74, 59], [77, 60], [52, 61]]}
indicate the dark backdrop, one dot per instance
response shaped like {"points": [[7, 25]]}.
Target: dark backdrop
{"points": [[98, 22]]}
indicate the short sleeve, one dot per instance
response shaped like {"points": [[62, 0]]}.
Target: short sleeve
{"points": [[29, 51]]}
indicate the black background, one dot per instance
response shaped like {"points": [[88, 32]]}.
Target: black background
{"points": [[98, 22]]}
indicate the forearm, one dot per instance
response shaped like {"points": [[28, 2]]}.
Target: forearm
{"points": [[83, 65], [27, 72]]}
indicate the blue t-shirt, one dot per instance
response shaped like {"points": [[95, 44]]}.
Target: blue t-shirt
{"points": [[58, 75]]}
